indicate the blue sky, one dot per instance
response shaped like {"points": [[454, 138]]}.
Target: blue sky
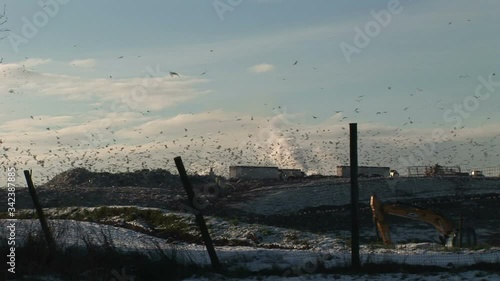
{"points": [[429, 57]]}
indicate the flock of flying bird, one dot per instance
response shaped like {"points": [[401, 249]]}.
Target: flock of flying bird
{"points": [[288, 145]]}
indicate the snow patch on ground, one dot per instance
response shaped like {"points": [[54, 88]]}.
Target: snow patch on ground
{"points": [[331, 251], [433, 276]]}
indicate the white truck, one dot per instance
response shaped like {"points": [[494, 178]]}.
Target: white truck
{"points": [[476, 173]]}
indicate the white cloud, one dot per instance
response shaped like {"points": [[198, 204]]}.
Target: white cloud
{"points": [[85, 63], [35, 62], [127, 94], [35, 123], [263, 67]]}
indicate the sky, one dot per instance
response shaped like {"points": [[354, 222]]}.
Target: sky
{"points": [[260, 82]]}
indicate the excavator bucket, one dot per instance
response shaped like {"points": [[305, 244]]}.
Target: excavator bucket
{"points": [[379, 220]]}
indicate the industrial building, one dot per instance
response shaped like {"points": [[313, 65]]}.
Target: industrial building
{"points": [[263, 172], [367, 171]]}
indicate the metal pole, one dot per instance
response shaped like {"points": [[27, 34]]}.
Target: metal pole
{"points": [[353, 129], [199, 217]]}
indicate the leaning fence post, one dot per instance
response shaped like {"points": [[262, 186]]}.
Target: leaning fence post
{"points": [[199, 217], [39, 211]]}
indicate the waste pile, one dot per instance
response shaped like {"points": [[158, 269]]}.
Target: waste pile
{"points": [[81, 177]]}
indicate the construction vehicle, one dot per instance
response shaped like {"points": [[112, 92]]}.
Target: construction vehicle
{"points": [[393, 174], [445, 227], [476, 173]]}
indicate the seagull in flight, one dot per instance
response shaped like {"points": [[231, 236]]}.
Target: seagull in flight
{"points": [[172, 74], [295, 63], [120, 57]]}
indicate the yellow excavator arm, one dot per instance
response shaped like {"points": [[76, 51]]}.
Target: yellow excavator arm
{"points": [[444, 226]]}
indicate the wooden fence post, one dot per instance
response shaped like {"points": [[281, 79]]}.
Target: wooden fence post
{"points": [[39, 211], [199, 217]]}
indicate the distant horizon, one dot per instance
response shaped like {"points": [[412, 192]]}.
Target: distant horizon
{"points": [[402, 173]]}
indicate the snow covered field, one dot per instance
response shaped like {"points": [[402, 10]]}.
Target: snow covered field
{"points": [[330, 251], [289, 251]]}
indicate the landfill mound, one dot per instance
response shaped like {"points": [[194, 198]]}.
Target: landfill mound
{"points": [[81, 177]]}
